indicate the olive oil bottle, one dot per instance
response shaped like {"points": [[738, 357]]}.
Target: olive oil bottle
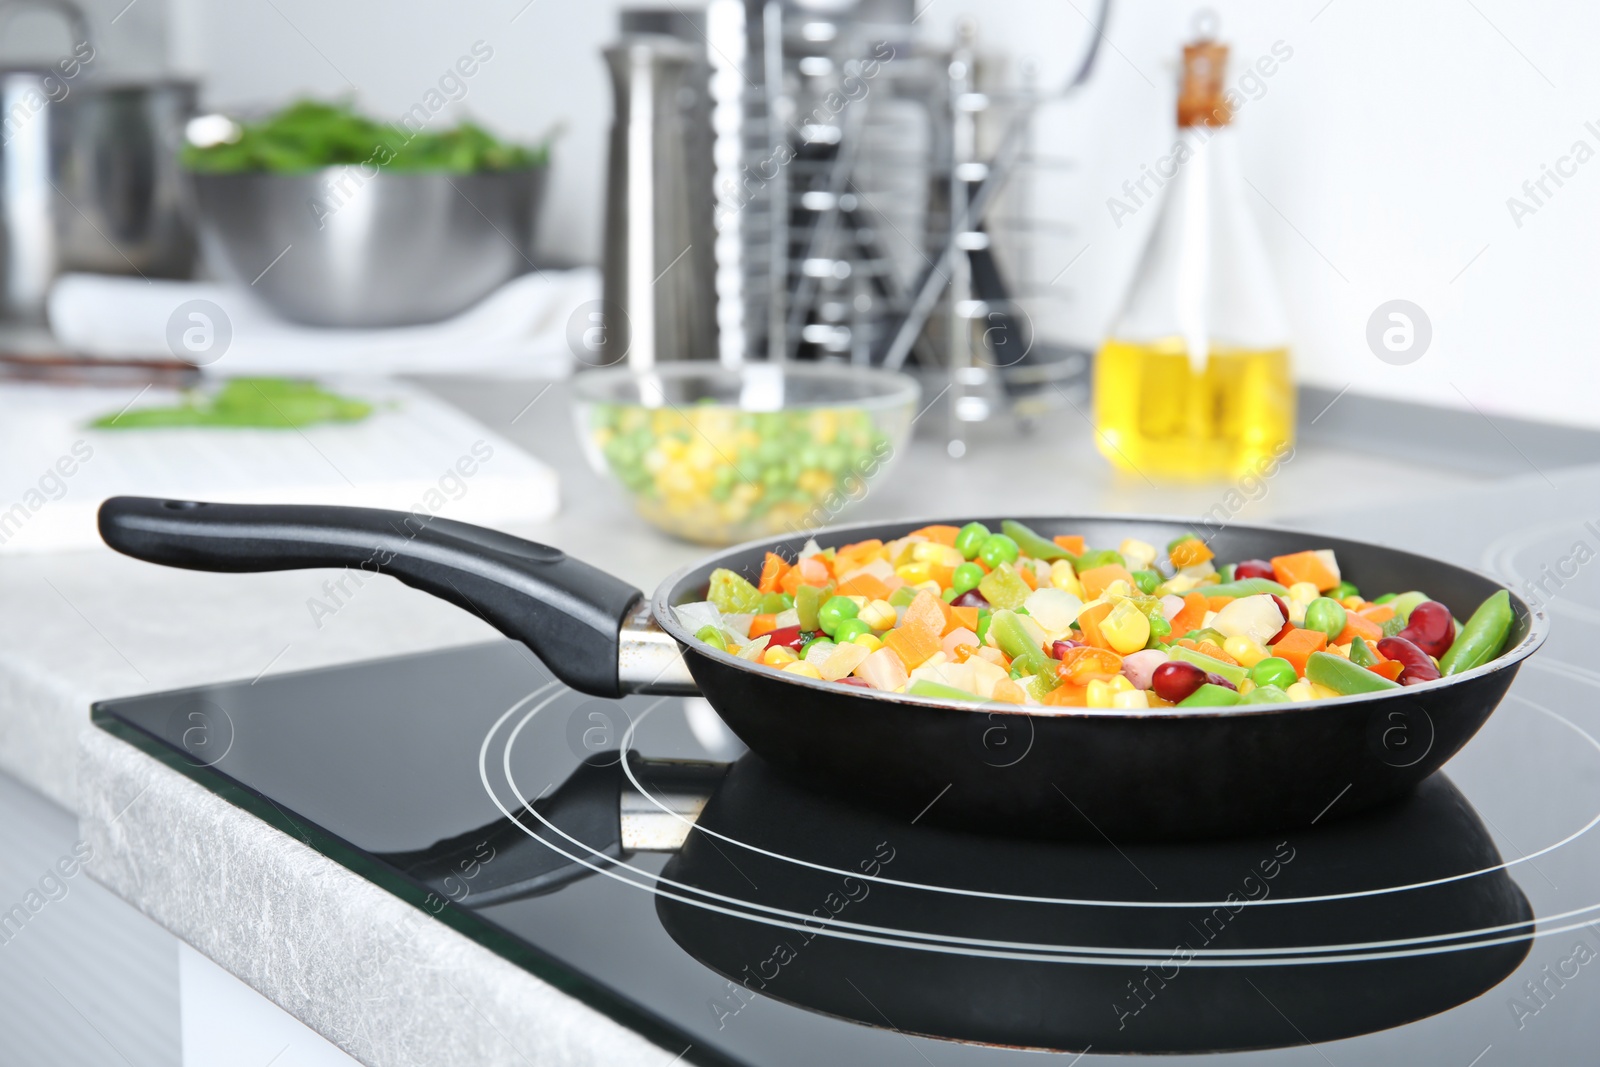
{"points": [[1194, 381]]}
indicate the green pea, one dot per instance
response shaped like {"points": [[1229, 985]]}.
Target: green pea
{"points": [[1273, 671], [712, 636], [1147, 581], [835, 611], [997, 549], [971, 538], [984, 617], [1342, 590], [1326, 615], [849, 630], [1160, 629], [966, 577], [1206, 633]]}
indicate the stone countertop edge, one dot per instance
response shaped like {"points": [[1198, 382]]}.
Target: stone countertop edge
{"points": [[371, 973]]}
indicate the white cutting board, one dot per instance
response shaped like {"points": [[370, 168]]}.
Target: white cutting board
{"points": [[414, 453]]}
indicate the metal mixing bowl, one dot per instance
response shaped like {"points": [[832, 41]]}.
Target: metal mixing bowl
{"points": [[720, 456], [345, 246]]}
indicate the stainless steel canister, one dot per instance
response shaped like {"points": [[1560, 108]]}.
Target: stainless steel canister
{"points": [[89, 172]]}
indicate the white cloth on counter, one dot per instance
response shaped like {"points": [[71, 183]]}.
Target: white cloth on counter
{"points": [[518, 331]]}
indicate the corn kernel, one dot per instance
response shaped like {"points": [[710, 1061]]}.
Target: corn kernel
{"points": [[915, 573], [1340, 650], [870, 642], [1126, 629], [859, 601], [1322, 692], [931, 586], [1099, 694], [778, 656], [934, 553], [1120, 683], [1119, 588], [1246, 686], [1301, 690], [1137, 554], [801, 667], [1131, 700], [1246, 651], [878, 614], [1351, 603], [1304, 592], [1063, 577]]}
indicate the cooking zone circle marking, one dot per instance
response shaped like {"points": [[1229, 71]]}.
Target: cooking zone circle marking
{"points": [[749, 910]]}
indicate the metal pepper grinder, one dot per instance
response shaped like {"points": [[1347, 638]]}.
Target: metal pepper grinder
{"points": [[658, 284]]}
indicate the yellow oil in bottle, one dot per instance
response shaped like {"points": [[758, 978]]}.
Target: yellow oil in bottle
{"points": [[1156, 415]]}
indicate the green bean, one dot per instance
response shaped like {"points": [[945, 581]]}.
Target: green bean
{"points": [[1265, 694], [1099, 557], [1344, 677], [1244, 587], [1036, 545], [922, 687], [1231, 671], [1483, 636], [1361, 653], [1211, 696]]}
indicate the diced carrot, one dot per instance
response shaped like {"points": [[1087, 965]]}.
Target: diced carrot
{"points": [[1206, 648], [1189, 552], [1297, 646], [967, 617], [944, 535], [941, 573], [773, 568], [857, 555], [814, 571], [1096, 579], [791, 581], [763, 624], [1028, 575], [1071, 542], [1065, 695], [1378, 613], [913, 644], [864, 585], [1356, 626], [1089, 621], [1009, 692], [1080, 666], [926, 613], [1217, 603], [1304, 567], [1389, 668], [1192, 615]]}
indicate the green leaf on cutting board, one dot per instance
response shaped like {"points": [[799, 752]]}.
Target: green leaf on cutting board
{"points": [[249, 403]]}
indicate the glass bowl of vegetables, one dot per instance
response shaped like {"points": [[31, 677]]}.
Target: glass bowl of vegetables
{"points": [[336, 219], [718, 456]]}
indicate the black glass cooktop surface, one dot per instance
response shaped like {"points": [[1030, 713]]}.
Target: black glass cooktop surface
{"points": [[713, 906]]}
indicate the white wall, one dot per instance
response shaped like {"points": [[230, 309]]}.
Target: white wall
{"points": [[1384, 151]]}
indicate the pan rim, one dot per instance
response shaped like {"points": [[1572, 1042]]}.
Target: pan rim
{"points": [[1538, 630]]}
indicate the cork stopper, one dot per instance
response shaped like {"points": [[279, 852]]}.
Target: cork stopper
{"points": [[1200, 94]]}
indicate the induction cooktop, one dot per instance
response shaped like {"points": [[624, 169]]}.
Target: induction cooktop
{"points": [[629, 851]]}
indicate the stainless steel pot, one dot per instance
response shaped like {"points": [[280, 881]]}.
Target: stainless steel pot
{"points": [[89, 174], [357, 246]]}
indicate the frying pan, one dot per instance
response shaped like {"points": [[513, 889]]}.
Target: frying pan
{"points": [[999, 769]]}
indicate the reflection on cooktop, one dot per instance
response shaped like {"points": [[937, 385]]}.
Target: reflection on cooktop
{"points": [[718, 906]]}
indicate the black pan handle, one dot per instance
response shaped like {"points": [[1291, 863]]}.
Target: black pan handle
{"points": [[568, 612]]}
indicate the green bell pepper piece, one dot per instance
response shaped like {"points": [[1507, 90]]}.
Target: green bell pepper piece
{"points": [[732, 594], [807, 601], [1004, 587], [1343, 676]]}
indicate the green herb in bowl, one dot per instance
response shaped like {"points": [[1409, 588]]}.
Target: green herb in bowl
{"points": [[310, 135]]}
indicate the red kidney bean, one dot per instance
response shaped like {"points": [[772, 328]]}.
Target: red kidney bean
{"points": [[1217, 679], [1283, 609], [1253, 568], [970, 599], [788, 637], [852, 680], [1430, 628], [1059, 649], [1418, 667], [1174, 680]]}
